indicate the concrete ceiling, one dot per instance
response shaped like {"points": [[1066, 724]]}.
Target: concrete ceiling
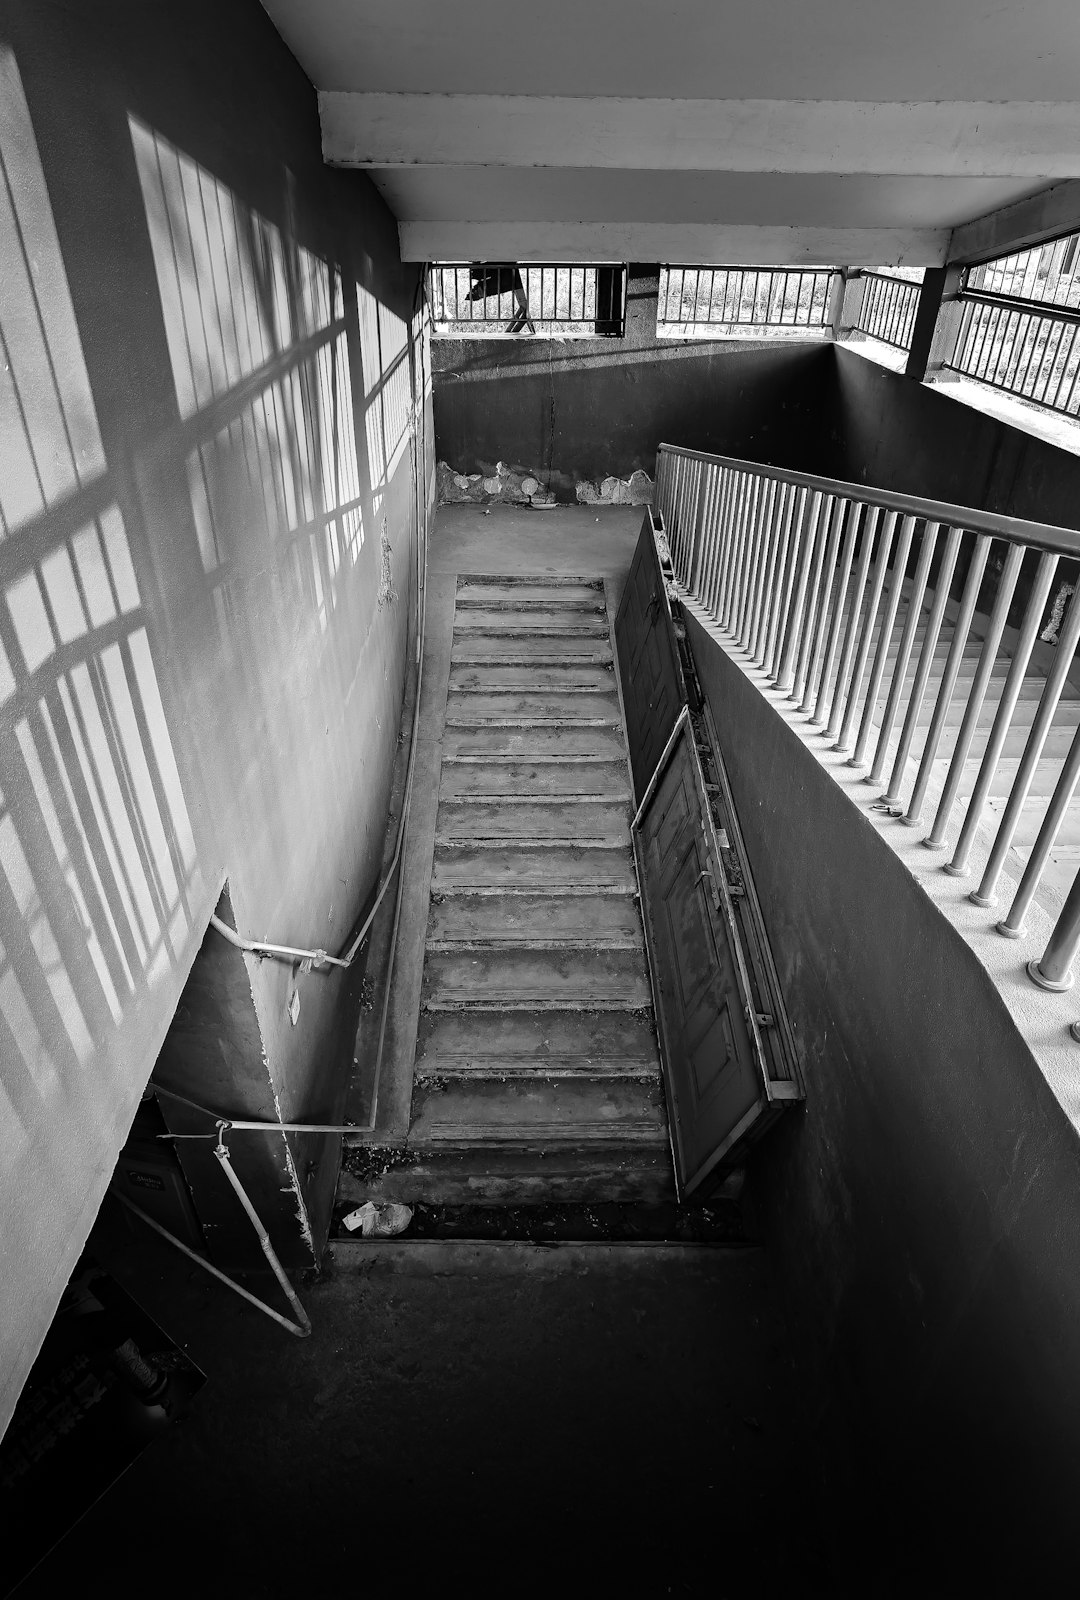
{"points": [[862, 131]]}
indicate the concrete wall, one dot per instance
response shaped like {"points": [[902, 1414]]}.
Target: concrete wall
{"points": [[206, 570], [923, 1209], [883, 429], [573, 409]]}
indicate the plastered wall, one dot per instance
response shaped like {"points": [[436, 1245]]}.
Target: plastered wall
{"points": [[207, 551]]}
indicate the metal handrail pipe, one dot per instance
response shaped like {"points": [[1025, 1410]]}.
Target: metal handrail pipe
{"points": [[1040, 728], [844, 691], [907, 645], [825, 524], [896, 590], [1053, 970], [1021, 307], [792, 558], [935, 839], [947, 686], [793, 640], [1040, 591], [926, 662], [763, 612], [764, 564], [836, 626], [1017, 530], [866, 640], [781, 588], [1012, 925]]}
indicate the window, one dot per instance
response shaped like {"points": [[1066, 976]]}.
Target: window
{"points": [[1019, 322], [493, 299], [731, 301]]}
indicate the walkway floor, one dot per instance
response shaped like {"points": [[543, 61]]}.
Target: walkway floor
{"points": [[499, 1420]]}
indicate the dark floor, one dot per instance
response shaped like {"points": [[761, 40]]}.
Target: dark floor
{"points": [[514, 1419]]}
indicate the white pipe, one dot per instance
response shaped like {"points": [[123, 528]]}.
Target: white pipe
{"points": [[301, 1332]]}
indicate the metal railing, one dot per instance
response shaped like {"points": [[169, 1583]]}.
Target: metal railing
{"points": [[810, 576], [888, 308], [745, 297], [488, 299], [1026, 348]]}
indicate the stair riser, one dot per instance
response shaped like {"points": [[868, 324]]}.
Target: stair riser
{"points": [[518, 744], [560, 679], [555, 703], [536, 1041], [545, 978], [491, 622], [529, 592], [527, 778], [512, 919], [599, 820], [474, 866]]}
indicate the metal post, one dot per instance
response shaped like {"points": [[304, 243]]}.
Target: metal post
{"points": [[812, 525], [926, 661], [907, 642], [847, 555], [1052, 970], [858, 627], [888, 622], [1012, 925]]}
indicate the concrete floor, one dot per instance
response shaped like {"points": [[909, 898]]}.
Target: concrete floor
{"points": [[495, 1419]]}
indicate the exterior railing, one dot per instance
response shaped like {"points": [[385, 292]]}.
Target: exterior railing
{"points": [[1025, 347], [491, 298], [888, 308], [810, 577], [745, 297]]}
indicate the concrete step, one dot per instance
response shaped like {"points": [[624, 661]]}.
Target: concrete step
{"points": [[607, 921], [609, 779], [536, 1112], [525, 741], [529, 867], [550, 704], [564, 678], [487, 590], [506, 622], [508, 1044], [640, 1172], [524, 817], [522, 652], [560, 976]]}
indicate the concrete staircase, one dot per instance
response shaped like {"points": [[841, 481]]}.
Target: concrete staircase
{"points": [[537, 1074]]}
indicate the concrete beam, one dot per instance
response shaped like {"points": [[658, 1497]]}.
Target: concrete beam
{"points": [[1045, 215], [1020, 139], [689, 244]]}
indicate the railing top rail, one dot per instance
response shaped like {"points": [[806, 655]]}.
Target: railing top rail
{"points": [[1039, 535]]}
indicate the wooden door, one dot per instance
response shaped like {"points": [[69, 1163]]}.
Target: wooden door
{"points": [[714, 1065], [650, 672]]}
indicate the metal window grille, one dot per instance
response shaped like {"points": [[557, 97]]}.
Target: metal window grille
{"points": [[888, 308], [1019, 325], [731, 298], [489, 299]]}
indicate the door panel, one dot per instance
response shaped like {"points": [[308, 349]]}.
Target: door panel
{"points": [[716, 1089], [649, 668]]}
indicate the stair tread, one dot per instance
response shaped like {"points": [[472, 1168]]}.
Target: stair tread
{"points": [[525, 918]]}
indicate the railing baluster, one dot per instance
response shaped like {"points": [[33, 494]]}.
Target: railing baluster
{"points": [[792, 640], [767, 595], [750, 539], [847, 555], [1010, 572], [726, 502], [731, 553], [877, 675], [872, 516], [907, 642], [1053, 968], [713, 532], [1025, 643], [820, 615], [742, 532], [961, 628], [1012, 925], [758, 563], [877, 588], [778, 588], [1040, 728], [942, 584], [796, 546]]}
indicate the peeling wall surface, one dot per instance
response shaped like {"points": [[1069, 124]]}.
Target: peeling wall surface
{"points": [[923, 1208], [206, 397], [573, 409]]}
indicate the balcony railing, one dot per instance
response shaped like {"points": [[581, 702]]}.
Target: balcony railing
{"points": [[1022, 346], [488, 299], [888, 308], [745, 298], [810, 577]]}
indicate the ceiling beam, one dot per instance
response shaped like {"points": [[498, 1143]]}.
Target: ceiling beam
{"points": [[689, 244], [1019, 139], [1045, 215]]}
